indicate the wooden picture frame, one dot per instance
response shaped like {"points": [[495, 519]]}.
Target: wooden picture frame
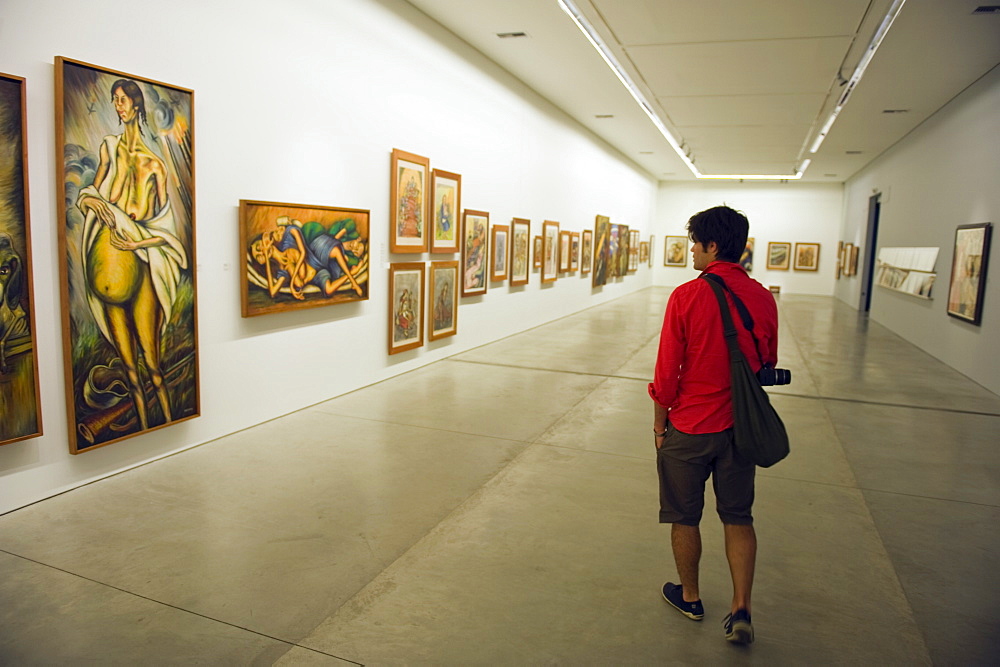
{"points": [[779, 256], [406, 306], [564, 246], [21, 417], [574, 251], [649, 255], [442, 320], [520, 262], [643, 252], [499, 253], [840, 259], [141, 247], [446, 207], [633, 250], [848, 253], [746, 259], [587, 251], [550, 251], [969, 264], [854, 260], [806, 257], [602, 251], [274, 235], [409, 203], [675, 251], [536, 256], [475, 252], [624, 249]]}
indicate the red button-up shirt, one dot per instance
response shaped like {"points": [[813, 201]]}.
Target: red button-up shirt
{"points": [[692, 376]]}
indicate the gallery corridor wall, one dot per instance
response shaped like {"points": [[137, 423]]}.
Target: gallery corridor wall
{"points": [[303, 102], [942, 175]]}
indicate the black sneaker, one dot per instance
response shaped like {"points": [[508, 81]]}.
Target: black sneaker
{"points": [[674, 595], [739, 629]]}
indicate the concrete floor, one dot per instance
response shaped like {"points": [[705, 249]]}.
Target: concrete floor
{"points": [[499, 507]]}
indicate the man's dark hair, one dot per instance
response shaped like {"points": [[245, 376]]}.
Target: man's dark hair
{"points": [[728, 228]]}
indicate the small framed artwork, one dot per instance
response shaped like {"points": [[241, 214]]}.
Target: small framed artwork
{"points": [[520, 257], [408, 202], [406, 306], [968, 272], [854, 260], [649, 253], [475, 251], [779, 255], [840, 258], [587, 248], [848, 253], [443, 320], [633, 251], [602, 250], [536, 260], [806, 257], [446, 200], [643, 252], [274, 239], [550, 251], [564, 245], [20, 407], [675, 251], [498, 265], [746, 259], [574, 251]]}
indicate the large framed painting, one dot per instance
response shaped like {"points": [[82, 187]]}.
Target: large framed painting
{"points": [[550, 251], [409, 202], [806, 257], [406, 306], [536, 256], [779, 255], [446, 198], [20, 408], [126, 238], [614, 251], [297, 256], [968, 272], [675, 251], [624, 250], [602, 250], [475, 251], [746, 259], [501, 253], [519, 251], [443, 321], [587, 251], [574, 251], [565, 239]]}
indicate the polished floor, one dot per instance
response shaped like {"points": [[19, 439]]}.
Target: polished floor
{"points": [[499, 507]]}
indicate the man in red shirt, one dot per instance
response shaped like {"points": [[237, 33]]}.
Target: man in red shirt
{"points": [[693, 418]]}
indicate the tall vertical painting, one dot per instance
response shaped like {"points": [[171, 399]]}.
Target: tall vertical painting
{"points": [[968, 272], [602, 250], [550, 251], [406, 306], [443, 319], [475, 251], [409, 202], [20, 412], [126, 237], [520, 255], [446, 199]]}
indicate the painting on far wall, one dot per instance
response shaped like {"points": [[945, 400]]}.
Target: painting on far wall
{"points": [[475, 251], [20, 411], [602, 250], [520, 256], [564, 245], [408, 202], [587, 251], [624, 250], [550, 251], [746, 259], [127, 245], [446, 202], [498, 267], [574, 251], [633, 251], [406, 306], [806, 257], [649, 250], [536, 257], [779, 255], [443, 320], [968, 272], [675, 251]]}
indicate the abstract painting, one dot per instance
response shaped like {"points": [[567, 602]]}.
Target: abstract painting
{"points": [[968, 272], [779, 255]]}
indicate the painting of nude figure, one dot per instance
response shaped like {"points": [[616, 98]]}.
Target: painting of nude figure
{"points": [[127, 241], [297, 256], [20, 413]]}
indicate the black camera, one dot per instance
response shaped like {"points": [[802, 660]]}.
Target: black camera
{"points": [[768, 376]]}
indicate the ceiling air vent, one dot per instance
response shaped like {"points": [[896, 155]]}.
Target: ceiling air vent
{"points": [[511, 35], [605, 115], [895, 111], [987, 9], [853, 152]]}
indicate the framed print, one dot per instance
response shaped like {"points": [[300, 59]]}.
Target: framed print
{"points": [[854, 260], [779, 255], [624, 250], [615, 251], [20, 407], [649, 254], [574, 251], [848, 252], [519, 255], [475, 251], [602, 250], [536, 260], [446, 205], [408, 202], [443, 320], [840, 258], [633, 251], [406, 306], [968, 272], [297, 256], [806, 257], [643, 252], [587, 251], [564, 246], [675, 251], [550, 251], [126, 238], [746, 259], [498, 267]]}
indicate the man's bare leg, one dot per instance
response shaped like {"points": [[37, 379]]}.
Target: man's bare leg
{"points": [[741, 551], [686, 543]]}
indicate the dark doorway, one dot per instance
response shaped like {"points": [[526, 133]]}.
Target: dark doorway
{"points": [[868, 265]]}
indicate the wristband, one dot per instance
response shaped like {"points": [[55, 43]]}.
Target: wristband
{"points": [[659, 435]]}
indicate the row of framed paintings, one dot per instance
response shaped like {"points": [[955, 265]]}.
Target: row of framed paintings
{"points": [[408, 304], [847, 259], [779, 254]]}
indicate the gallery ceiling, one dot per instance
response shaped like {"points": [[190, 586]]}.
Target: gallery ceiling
{"points": [[744, 86]]}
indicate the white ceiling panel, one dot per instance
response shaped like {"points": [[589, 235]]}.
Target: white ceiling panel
{"points": [[792, 109]]}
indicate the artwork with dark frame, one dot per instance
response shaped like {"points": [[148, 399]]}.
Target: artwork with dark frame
{"points": [[520, 261], [409, 203], [446, 206], [475, 251], [779, 255], [968, 272], [675, 251], [806, 257], [550, 251], [602, 250], [500, 253], [443, 319], [129, 293], [406, 306]]}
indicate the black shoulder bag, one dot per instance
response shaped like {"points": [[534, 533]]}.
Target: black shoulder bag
{"points": [[758, 431]]}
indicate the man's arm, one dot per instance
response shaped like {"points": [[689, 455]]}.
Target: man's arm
{"points": [[669, 358]]}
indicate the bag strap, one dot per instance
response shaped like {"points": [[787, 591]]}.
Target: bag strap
{"points": [[741, 308], [727, 320]]}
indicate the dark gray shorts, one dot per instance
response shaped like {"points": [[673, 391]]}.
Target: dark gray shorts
{"points": [[685, 461]]}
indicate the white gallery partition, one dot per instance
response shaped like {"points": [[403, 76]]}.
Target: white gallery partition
{"points": [[302, 102]]}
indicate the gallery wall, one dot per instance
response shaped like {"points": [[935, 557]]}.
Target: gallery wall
{"points": [[303, 104], [780, 212], [942, 175]]}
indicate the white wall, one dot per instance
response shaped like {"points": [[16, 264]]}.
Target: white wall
{"points": [[944, 174], [302, 102], [782, 212]]}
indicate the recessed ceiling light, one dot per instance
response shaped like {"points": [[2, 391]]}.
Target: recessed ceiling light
{"points": [[604, 115], [510, 35]]}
